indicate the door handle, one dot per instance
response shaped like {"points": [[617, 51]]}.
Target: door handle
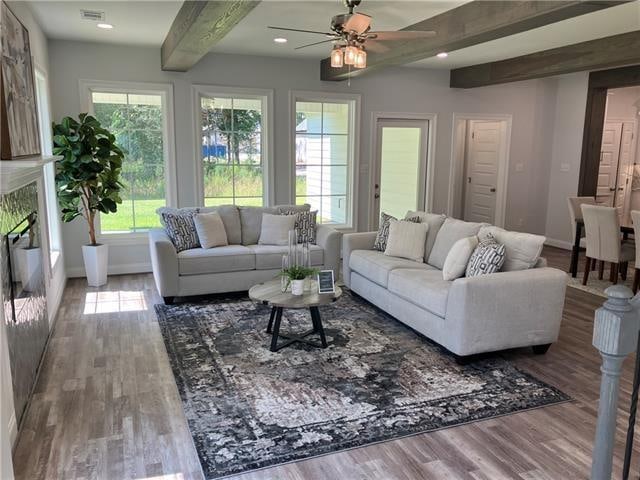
{"points": [[377, 195], [492, 190], [612, 189]]}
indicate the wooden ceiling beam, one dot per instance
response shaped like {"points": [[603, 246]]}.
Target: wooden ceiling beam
{"points": [[472, 23], [608, 52], [198, 26]]}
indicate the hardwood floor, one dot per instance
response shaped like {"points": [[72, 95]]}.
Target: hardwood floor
{"points": [[106, 406]]}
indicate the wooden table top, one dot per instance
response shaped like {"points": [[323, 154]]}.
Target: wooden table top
{"points": [[270, 293]]}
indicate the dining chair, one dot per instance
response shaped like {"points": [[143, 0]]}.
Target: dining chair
{"points": [[635, 218], [602, 227], [575, 213]]}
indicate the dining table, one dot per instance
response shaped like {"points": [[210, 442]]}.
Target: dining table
{"points": [[626, 228]]}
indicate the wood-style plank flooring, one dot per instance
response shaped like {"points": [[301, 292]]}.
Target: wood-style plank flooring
{"points": [[106, 406]]}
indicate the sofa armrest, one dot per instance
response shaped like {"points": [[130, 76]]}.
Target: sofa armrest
{"points": [[329, 239], [351, 242], [505, 310], [164, 262]]}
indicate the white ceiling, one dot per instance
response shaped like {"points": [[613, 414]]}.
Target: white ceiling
{"points": [[147, 23]]}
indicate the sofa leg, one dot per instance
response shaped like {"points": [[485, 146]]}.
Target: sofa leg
{"points": [[541, 349], [168, 300]]}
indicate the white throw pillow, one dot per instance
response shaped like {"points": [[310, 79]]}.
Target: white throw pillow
{"points": [[522, 249], [406, 240], [211, 231], [456, 262], [275, 229]]}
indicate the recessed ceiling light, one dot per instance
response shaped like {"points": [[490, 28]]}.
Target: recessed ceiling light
{"points": [[442, 55], [280, 40], [106, 26]]}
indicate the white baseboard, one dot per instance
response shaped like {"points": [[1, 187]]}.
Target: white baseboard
{"points": [[553, 242], [12, 426], [124, 269]]}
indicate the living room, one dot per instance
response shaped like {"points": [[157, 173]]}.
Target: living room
{"points": [[156, 340]]}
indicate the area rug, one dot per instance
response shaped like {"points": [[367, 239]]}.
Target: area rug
{"points": [[597, 287], [249, 408]]}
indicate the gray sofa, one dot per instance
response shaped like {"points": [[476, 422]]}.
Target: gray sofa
{"points": [[515, 308], [238, 266]]}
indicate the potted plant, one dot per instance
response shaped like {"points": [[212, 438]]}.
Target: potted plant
{"points": [[88, 182], [296, 275]]}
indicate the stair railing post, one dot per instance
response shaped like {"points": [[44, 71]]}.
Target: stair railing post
{"points": [[615, 333]]}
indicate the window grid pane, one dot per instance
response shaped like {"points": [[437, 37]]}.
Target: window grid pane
{"points": [[232, 150], [322, 158], [137, 122]]}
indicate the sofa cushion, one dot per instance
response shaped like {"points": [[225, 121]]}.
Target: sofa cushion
{"points": [[306, 225], [180, 228], [382, 236], [435, 221], [210, 228], [458, 257], [488, 257], [451, 231], [406, 240], [375, 266], [270, 256], [275, 229], [251, 222], [232, 258], [285, 209], [424, 288], [231, 219], [522, 250]]}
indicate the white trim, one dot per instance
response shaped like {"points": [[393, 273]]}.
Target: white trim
{"points": [[432, 120], [457, 163], [267, 137], [168, 127], [554, 242], [121, 269], [354, 101], [12, 426]]}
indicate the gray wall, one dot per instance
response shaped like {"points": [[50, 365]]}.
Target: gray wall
{"points": [[394, 90]]}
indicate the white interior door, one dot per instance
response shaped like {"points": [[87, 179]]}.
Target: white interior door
{"points": [[608, 170], [401, 157], [625, 165], [482, 159]]}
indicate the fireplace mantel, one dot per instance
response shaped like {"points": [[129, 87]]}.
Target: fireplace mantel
{"points": [[15, 174]]}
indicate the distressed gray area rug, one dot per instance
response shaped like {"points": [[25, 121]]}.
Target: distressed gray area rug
{"points": [[248, 408]]}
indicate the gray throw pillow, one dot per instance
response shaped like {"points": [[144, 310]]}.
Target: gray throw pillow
{"points": [[181, 229], [306, 223], [382, 237], [488, 257]]}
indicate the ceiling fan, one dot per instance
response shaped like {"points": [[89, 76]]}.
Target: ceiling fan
{"points": [[351, 35]]}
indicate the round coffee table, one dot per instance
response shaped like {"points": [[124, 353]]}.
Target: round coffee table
{"points": [[270, 293]]}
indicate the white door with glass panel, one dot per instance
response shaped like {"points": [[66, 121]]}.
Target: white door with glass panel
{"points": [[484, 142], [401, 173]]}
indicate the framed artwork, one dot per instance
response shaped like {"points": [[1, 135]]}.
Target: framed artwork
{"points": [[19, 135]]}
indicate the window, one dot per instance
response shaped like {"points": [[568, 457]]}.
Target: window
{"points": [[325, 131], [51, 198], [139, 116], [232, 145]]}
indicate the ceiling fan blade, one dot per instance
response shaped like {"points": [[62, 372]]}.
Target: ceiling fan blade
{"points": [[315, 43], [400, 35], [358, 22], [377, 47], [298, 30]]}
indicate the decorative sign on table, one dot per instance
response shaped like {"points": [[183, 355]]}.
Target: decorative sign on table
{"points": [[326, 282]]}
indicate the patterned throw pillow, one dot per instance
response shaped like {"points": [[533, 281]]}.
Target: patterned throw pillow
{"points": [[305, 225], [383, 231], [488, 257], [181, 229]]}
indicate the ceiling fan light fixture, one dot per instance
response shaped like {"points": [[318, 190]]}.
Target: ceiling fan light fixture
{"points": [[336, 57], [350, 53], [361, 59]]}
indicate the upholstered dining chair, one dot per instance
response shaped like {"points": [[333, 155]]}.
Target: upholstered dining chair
{"points": [[602, 227], [635, 218], [575, 213]]}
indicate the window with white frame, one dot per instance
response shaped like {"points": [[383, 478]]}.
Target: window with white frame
{"points": [[139, 117], [325, 139], [51, 199], [232, 146]]}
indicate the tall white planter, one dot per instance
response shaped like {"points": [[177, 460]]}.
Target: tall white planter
{"points": [[29, 262], [95, 264]]}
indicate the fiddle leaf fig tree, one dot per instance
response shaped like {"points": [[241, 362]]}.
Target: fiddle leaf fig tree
{"points": [[88, 176]]}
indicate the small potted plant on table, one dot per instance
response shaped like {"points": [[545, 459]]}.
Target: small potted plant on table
{"points": [[88, 182], [296, 276]]}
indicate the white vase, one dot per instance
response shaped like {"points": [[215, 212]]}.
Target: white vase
{"points": [[95, 264], [297, 287], [29, 262]]}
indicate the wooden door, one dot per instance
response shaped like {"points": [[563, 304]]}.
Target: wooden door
{"points": [[481, 170]]}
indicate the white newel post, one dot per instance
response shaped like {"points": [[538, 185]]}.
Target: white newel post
{"points": [[615, 333]]}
